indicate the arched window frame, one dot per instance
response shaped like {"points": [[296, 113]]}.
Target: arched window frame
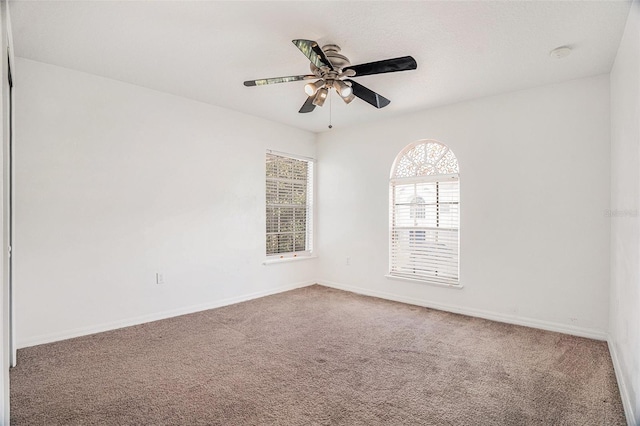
{"points": [[424, 214]]}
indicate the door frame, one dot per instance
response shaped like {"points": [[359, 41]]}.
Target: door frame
{"points": [[10, 163]]}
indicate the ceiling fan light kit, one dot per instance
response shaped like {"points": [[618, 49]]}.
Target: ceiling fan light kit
{"points": [[343, 88], [321, 96], [311, 88], [348, 99], [334, 72]]}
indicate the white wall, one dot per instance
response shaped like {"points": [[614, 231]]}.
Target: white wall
{"points": [[115, 182], [534, 169], [624, 322]]}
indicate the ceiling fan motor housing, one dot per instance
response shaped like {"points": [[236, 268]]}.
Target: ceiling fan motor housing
{"points": [[338, 60], [333, 53]]}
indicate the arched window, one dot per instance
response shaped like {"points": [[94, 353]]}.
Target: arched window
{"points": [[424, 191]]}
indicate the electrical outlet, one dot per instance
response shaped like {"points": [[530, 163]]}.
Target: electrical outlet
{"points": [[159, 278], [348, 260]]}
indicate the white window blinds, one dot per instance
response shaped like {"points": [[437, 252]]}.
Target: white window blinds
{"points": [[425, 214], [289, 195]]}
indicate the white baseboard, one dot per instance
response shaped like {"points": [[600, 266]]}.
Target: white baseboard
{"points": [[622, 385], [494, 316], [83, 331]]}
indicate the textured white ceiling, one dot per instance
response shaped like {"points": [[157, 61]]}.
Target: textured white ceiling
{"points": [[204, 50]]}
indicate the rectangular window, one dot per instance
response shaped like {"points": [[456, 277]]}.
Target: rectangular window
{"points": [[424, 228], [289, 199]]}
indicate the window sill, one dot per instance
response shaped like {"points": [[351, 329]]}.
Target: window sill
{"points": [[435, 284], [287, 259]]}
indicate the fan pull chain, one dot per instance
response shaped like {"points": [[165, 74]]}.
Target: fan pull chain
{"points": [[330, 97]]}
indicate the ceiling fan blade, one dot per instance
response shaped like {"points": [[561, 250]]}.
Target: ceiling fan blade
{"points": [[368, 95], [311, 50], [308, 105], [276, 80], [405, 63]]}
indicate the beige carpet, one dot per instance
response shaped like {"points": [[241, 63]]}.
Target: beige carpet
{"points": [[317, 356]]}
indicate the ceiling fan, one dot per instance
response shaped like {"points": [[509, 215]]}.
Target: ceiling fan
{"points": [[332, 70]]}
